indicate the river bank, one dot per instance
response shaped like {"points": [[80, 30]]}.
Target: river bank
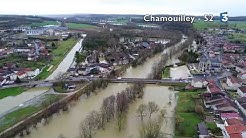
{"points": [[70, 122]]}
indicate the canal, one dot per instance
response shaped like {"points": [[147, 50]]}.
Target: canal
{"points": [[67, 123]]}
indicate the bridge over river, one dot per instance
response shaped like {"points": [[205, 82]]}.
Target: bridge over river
{"points": [[112, 80]]}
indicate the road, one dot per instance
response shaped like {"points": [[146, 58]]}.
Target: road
{"points": [[88, 78]]}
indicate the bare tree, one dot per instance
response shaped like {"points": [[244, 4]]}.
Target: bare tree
{"points": [[88, 125], [152, 129], [153, 108], [142, 111]]}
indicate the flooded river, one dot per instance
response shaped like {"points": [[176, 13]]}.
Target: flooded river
{"points": [[12, 101], [67, 123]]}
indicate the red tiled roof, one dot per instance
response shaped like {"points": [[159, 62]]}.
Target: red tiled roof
{"points": [[213, 88], [19, 73], [229, 115], [236, 136], [26, 69], [235, 129], [234, 121]]}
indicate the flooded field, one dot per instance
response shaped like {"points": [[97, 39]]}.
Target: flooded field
{"points": [[67, 124]]}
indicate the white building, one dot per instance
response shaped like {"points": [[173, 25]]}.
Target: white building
{"points": [[199, 83], [34, 32]]}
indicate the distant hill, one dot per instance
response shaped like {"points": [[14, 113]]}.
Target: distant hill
{"points": [[9, 21]]}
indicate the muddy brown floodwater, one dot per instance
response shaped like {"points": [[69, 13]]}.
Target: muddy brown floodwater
{"points": [[67, 123]]}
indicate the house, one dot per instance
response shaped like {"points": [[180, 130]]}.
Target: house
{"points": [[225, 108], [83, 71], [233, 82], [145, 45], [31, 73], [202, 130], [210, 64], [31, 32], [235, 130], [118, 58], [242, 75], [2, 81], [214, 100], [213, 88], [72, 70], [21, 74], [199, 83], [233, 121], [241, 91], [241, 103], [213, 104], [225, 116]]}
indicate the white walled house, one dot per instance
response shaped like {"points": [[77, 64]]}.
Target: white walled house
{"points": [[198, 83], [33, 73], [241, 91], [21, 74]]}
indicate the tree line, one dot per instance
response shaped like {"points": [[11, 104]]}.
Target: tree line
{"points": [[158, 67], [113, 108]]}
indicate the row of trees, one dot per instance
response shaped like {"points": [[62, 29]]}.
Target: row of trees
{"points": [[100, 40], [79, 57], [113, 107], [146, 54], [99, 83], [158, 67], [151, 128]]}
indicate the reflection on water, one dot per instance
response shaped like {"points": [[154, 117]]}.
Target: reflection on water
{"points": [[158, 94]]}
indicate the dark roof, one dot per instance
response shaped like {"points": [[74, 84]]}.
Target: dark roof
{"points": [[145, 44], [243, 89], [103, 65], [202, 129], [241, 100]]}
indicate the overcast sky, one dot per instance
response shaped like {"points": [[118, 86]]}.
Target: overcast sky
{"points": [[191, 7]]}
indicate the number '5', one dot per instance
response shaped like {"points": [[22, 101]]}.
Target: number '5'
{"points": [[224, 17]]}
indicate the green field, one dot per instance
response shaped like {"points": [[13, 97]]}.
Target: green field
{"points": [[44, 74], [11, 92], [189, 124], [237, 38], [44, 23], [185, 111], [80, 26], [166, 72], [21, 62], [201, 25], [22, 113], [58, 55]]}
